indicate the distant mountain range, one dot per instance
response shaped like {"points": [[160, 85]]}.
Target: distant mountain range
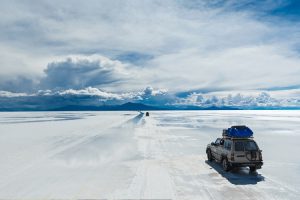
{"points": [[129, 106]]}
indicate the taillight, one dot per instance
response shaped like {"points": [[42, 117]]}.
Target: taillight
{"points": [[232, 157], [260, 155]]}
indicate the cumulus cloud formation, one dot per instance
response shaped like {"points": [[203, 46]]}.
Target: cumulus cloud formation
{"points": [[79, 72], [246, 99], [145, 95], [122, 47]]}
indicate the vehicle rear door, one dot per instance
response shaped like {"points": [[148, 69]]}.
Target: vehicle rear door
{"points": [[246, 151], [239, 151], [251, 151]]}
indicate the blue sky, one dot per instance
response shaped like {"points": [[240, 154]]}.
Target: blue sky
{"points": [[180, 52]]}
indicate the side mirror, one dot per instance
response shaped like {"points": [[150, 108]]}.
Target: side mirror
{"points": [[213, 143]]}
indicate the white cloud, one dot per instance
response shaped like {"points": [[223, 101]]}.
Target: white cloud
{"points": [[147, 93], [242, 99], [241, 68], [90, 92], [82, 71], [12, 94], [194, 45]]}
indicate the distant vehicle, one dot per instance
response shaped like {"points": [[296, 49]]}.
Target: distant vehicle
{"points": [[236, 148], [147, 114]]}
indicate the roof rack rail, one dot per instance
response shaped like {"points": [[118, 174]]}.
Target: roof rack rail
{"points": [[239, 138]]}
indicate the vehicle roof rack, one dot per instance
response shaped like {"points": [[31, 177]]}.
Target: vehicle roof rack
{"points": [[237, 132]]}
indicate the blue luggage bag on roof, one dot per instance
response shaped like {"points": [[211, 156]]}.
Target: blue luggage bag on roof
{"points": [[239, 132]]}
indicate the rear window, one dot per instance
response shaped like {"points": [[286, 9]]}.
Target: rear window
{"points": [[250, 146], [245, 146], [239, 146]]}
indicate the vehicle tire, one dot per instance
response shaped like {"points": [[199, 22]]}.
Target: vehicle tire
{"points": [[225, 165], [252, 169], [209, 156]]}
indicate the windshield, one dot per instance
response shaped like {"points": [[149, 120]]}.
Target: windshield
{"points": [[217, 142], [246, 145]]}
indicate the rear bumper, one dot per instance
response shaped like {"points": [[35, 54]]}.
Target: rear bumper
{"points": [[257, 164]]}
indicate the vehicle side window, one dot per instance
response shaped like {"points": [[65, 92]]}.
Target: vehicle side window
{"points": [[218, 141], [222, 142], [227, 144], [239, 146]]}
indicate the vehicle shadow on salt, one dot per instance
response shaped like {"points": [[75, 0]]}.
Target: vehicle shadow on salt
{"points": [[237, 176]]}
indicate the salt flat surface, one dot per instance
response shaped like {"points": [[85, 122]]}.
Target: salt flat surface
{"points": [[125, 155]]}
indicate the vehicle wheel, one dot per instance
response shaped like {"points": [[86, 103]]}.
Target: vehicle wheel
{"points": [[209, 156], [225, 164], [252, 169]]}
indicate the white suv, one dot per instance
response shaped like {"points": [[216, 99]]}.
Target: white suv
{"points": [[235, 152]]}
